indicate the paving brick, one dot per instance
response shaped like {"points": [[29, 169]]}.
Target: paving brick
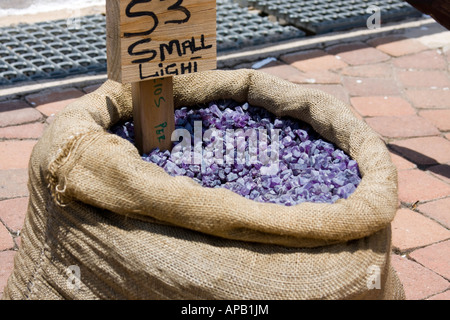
{"points": [[292, 74], [379, 70], [13, 183], [321, 77], [430, 59], [423, 78], [411, 230], [447, 55], [435, 257], [435, 39], [397, 45], [25, 131], [416, 185], [370, 86], [424, 151], [52, 102], [13, 212], [338, 91], [440, 118], [284, 71], [17, 112], [15, 154], [438, 210], [6, 240], [6, 268], [53, 108], [401, 163], [419, 282], [441, 171], [441, 296], [377, 106], [429, 98], [402, 127], [358, 53], [37, 99], [313, 60]]}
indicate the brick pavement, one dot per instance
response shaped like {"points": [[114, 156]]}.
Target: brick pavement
{"points": [[399, 85]]}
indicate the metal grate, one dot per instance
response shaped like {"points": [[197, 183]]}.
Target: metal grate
{"points": [[322, 16], [238, 28], [51, 50], [54, 49]]}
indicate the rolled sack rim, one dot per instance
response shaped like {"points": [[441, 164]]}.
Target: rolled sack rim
{"points": [[369, 209]]}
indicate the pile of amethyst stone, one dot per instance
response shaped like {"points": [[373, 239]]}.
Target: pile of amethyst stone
{"points": [[307, 168]]}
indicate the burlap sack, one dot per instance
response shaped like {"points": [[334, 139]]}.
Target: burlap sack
{"points": [[104, 224]]}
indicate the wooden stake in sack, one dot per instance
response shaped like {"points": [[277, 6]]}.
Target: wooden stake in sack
{"points": [[150, 42]]}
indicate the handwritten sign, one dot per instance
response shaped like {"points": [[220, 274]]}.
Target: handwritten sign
{"points": [[160, 38], [149, 42]]}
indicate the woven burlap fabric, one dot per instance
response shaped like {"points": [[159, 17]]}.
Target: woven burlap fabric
{"points": [[137, 233]]}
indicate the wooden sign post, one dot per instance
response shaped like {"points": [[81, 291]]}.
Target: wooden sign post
{"points": [[149, 42]]}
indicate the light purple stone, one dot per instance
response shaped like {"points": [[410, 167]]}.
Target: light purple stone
{"points": [[310, 169]]}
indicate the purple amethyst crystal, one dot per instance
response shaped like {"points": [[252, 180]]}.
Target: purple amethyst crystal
{"points": [[299, 167]]}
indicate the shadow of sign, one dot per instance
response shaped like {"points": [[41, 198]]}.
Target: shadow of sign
{"points": [[422, 161]]}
